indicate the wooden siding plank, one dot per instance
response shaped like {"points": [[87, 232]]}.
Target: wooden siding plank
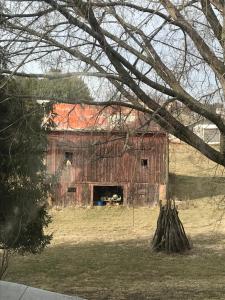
{"points": [[104, 163]]}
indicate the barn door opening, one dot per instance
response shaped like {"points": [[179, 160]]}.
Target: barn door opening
{"points": [[107, 195]]}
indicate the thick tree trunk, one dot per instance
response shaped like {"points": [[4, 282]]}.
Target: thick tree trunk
{"points": [[170, 235]]}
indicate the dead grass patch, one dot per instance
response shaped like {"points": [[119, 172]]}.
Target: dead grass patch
{"points": [[104, 253]]}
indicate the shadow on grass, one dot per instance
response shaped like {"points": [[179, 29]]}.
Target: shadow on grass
{"points": [[191, 187], [126, 270]]}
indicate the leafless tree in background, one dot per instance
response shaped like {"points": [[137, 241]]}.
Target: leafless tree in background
{"points": [[145, 50], [169, 49]]}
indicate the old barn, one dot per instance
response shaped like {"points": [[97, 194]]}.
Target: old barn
{"points": [[110, 156]]}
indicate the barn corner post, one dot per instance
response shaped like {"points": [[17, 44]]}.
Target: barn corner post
{"points": [[222, 143], [222, 134], [169, 236]]}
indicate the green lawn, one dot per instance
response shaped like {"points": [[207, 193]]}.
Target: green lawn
{"points": [[104, 253]]}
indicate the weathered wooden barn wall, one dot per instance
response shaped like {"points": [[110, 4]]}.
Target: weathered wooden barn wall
{"points": [[139, 164]]}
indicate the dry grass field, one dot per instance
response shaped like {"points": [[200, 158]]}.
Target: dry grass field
{"points": [[104, 253]]}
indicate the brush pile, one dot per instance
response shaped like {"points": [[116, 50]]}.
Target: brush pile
{"points": [[170, 235]]}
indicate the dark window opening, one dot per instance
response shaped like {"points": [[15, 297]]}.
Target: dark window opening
{"points": [[144, 163], [69, 157], [107, 195], [71, 190]]}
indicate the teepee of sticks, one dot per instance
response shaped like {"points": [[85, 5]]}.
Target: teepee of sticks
{"points": [[170, 235]]}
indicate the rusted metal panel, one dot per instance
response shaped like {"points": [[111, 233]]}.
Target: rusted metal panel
{"points": [[69, 117]]}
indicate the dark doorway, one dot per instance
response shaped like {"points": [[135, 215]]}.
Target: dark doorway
{"points": [[107, 195]]}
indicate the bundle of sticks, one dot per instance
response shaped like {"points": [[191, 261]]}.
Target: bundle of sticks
{"points": [[170, 235]]}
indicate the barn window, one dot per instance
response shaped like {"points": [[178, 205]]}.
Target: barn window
{"points": [[71, 189], [144, 162], [68, 158]]}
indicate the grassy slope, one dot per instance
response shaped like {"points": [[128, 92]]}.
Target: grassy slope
{"points": [[104, 253], [192, 176]]}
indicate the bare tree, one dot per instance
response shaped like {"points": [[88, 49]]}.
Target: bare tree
{"points": [[146, 50], [174, 48]]}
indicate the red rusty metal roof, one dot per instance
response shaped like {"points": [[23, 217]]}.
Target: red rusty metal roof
{"points": [[82, 117]]}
